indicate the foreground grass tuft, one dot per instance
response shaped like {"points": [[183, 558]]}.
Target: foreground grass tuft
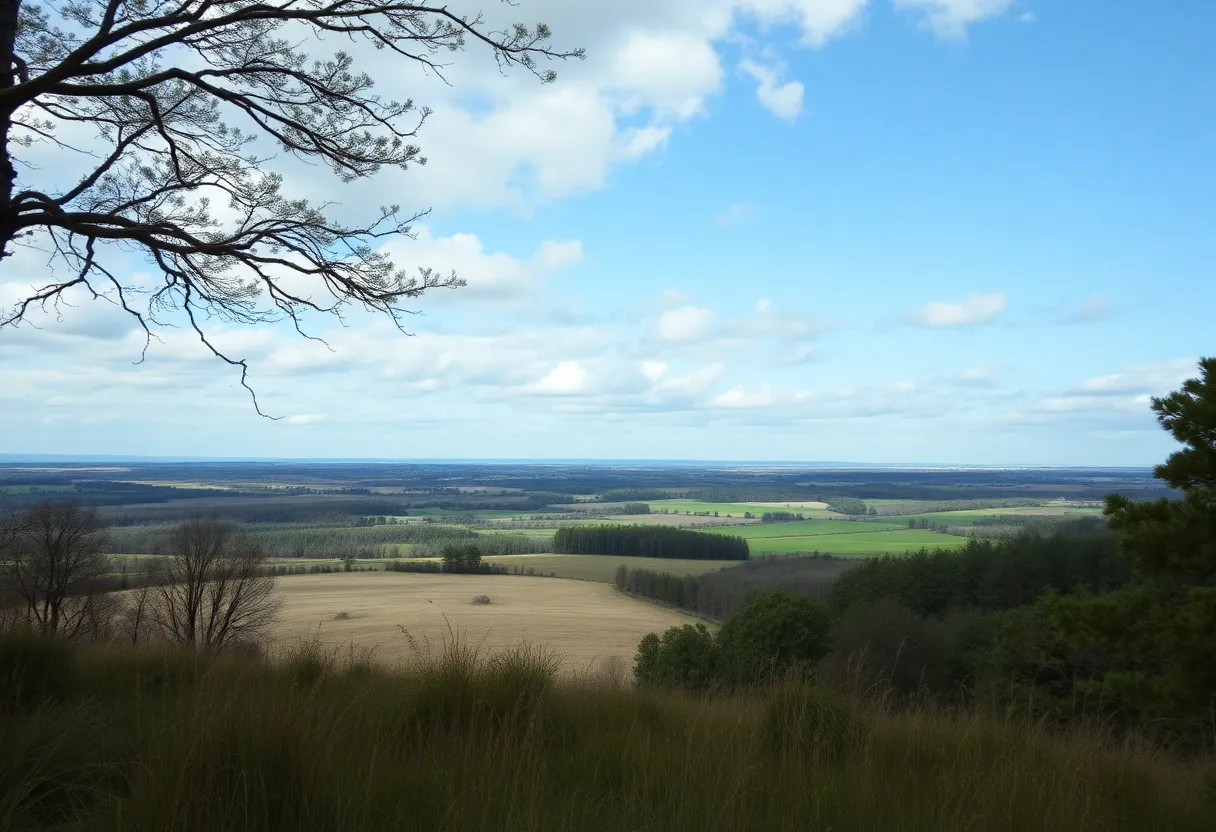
{"points": [[153, 741]]}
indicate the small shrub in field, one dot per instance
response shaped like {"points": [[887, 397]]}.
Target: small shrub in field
{"points": [[803, 720], [481, 599], [342, 616]]}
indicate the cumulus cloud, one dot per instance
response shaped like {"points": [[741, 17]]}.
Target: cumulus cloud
{"points": [[687, 323], [973, 309], [783, 100], [567, 378], [950, 18]]}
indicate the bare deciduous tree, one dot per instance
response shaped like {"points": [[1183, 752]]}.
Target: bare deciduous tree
{"points": [[215, 589], [53, 566], [161, 102]]}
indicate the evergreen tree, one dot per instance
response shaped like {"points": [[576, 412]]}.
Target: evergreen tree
{"points": [[1159, 634]]}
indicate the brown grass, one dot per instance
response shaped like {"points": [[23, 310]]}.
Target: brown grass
{"points": [[588, 624]]}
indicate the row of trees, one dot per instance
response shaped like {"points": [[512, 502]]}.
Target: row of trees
{"points": [[850, 506], [620, 495], [1115, 626], [214, 589], [648, 542], [781, 516]]}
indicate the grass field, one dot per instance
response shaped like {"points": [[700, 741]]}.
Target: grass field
{"points": [[587, 623], [971, 516], [148, 741], [850, 545], [807, 528]]}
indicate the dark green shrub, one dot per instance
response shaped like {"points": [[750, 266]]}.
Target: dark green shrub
{"points": [[685, 657], [772, 634]]}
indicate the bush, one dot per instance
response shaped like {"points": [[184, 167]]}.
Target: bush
{"points": [[481, 599], [685, 657], [773, 634]]}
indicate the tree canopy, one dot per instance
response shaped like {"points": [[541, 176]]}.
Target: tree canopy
{"points": [[1160, 633], [163, 113]]}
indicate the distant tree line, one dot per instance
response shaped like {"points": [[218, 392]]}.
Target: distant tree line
{"points": [[492, 544], [635, 508], [846, 505], [648, 542], [720, 593], [622, 495], [432, 567], [780, 516]]}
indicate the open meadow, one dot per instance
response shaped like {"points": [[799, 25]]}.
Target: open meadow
{"points": [[587, 623]]}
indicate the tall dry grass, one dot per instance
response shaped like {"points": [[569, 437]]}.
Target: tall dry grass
{"points": [[326, 740]]}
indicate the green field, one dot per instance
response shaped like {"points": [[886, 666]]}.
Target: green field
{"points": [[804, 528], [737, 509], [849, 545], [972, 516]]}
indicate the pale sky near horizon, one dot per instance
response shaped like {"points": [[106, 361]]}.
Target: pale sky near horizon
{"points": [[900, 231]]}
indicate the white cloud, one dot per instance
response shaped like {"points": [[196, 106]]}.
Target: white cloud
{"points": [[742, 397], [977, 375], [567, 378], [687, 323], [763, 306], [820, 20], [306, 418], [1143, 379], [654, 370], [950, 18], [490, 275], [973, 309], [783, 100]]}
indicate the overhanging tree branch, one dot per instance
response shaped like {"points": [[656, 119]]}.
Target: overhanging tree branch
{"points": [[175, 92]]}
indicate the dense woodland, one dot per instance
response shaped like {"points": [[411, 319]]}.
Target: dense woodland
{"points": [[648, 542]]}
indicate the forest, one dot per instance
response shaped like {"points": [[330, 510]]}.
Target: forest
{"points": [[648, 542]]}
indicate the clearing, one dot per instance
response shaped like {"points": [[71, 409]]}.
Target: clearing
{"points": [[588, 624]]}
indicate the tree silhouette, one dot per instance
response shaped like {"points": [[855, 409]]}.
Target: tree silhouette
{"points": [[162, 103]]}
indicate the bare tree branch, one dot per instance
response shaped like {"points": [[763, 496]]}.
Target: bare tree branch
{"points": [[175, 93]]}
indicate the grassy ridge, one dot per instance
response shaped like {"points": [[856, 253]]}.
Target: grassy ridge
{"points": [[113, 740]]}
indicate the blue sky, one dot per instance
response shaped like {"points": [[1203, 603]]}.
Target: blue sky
{"points": [[903, 231]]}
